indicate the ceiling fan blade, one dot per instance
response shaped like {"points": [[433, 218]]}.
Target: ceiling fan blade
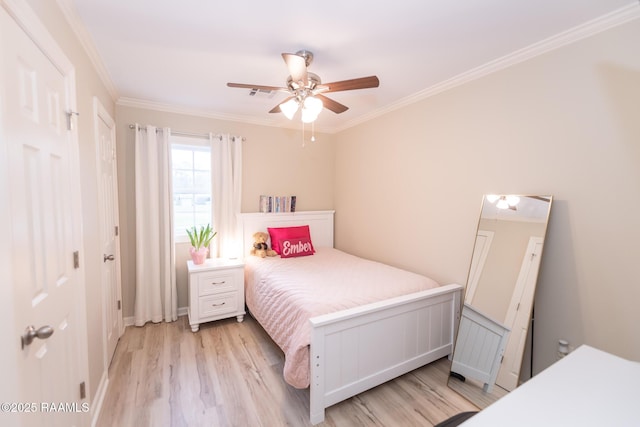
{"points": [[332, 105], [276, 109], [247, 86], [297, 67], [541, 198], [360, 83]]}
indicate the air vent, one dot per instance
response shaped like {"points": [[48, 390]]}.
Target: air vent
{"points": [[261, 93]]}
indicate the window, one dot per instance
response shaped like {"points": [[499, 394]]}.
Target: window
{"points": [[191, 179]]}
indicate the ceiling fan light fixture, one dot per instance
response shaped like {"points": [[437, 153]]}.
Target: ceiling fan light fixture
{"points": [[513, 200], [313, 104], [307, 116], [289, 108], [311, 108], [502, 204], [505, 202]]}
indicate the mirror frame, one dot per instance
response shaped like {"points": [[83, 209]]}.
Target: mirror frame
{"points": [[484, 331]]}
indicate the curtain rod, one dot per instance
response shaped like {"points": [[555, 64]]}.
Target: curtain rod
{"points": [[196, 135]]}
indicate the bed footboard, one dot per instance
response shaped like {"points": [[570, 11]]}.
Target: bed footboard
{"points": [[357, 349]]}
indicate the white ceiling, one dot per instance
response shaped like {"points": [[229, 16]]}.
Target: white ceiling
{"points": [[180, 54]]}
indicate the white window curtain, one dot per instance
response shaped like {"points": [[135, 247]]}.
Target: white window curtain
{"points": [[156, 293], [226, 189]]}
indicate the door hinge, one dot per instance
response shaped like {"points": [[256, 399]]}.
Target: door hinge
{"points": [[76, 259], [69, 115], [83, 390], [116, 229], [119, 305]]}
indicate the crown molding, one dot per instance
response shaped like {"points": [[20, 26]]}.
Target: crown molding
{"points": [[84, 38], [169, 108], [590, 28], [196, 112]]}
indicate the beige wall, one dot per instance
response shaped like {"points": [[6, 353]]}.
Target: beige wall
{"points": [[274, 162], [410, 183], [88, 85]]}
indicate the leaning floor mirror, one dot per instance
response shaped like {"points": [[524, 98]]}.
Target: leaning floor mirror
{"points": [[496, 313]]}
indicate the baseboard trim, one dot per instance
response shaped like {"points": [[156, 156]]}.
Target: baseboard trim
{"points": [[129, 321], [98, 400]]}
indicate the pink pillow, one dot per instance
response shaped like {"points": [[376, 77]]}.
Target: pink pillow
{"points": [[299, 246], [279, 234]]}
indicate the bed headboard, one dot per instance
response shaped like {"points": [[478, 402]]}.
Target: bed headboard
{"points": [[320, 225]]}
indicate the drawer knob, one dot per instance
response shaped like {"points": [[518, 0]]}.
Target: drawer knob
{"points": [[218, 283], [218, 305]]}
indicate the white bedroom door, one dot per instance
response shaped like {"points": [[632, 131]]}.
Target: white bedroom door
{"points": [[42, 231], [518, 315], [109, 229], [480, 252]]}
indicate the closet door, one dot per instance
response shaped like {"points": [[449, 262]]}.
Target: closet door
{"points": [[109, 229]]}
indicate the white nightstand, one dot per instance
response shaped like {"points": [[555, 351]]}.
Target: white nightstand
{"points": [[216, 291]]}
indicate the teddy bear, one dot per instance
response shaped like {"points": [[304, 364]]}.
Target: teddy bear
{"points": [[260, 247]]}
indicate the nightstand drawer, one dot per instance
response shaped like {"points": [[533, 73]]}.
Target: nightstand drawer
{"points": [[216, 282], [218, 304]]}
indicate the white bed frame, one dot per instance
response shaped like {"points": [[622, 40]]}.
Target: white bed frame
{"points": [[480, 347], [356, 349]]}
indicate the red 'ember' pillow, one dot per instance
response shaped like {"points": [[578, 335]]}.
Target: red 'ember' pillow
{"points": [[278, 234], [300, 246]]}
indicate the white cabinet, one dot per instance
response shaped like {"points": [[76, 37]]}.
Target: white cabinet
{"points": [[216, 291]]}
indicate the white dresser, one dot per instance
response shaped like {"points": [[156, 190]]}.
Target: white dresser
{"points": [[216, 291]]}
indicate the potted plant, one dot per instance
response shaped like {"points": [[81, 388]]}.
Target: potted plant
{"points": [[200, 241]]}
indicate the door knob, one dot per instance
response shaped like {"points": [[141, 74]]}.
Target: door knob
{"points": [[32, 333], [106, 258]]}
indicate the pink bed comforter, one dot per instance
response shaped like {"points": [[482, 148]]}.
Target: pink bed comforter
{"points": [[284, 293]]}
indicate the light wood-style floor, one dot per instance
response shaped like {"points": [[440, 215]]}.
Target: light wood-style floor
{"points": [[230, 374], [473, 390]]}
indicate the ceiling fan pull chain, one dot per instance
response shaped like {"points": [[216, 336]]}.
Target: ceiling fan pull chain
{"points": [[313, 131], [303, 135]]}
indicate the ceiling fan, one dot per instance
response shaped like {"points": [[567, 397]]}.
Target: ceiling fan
{"points": [[504, 201], [306, 90]]}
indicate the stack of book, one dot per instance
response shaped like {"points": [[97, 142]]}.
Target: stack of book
{"points": [[277, 204]]}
